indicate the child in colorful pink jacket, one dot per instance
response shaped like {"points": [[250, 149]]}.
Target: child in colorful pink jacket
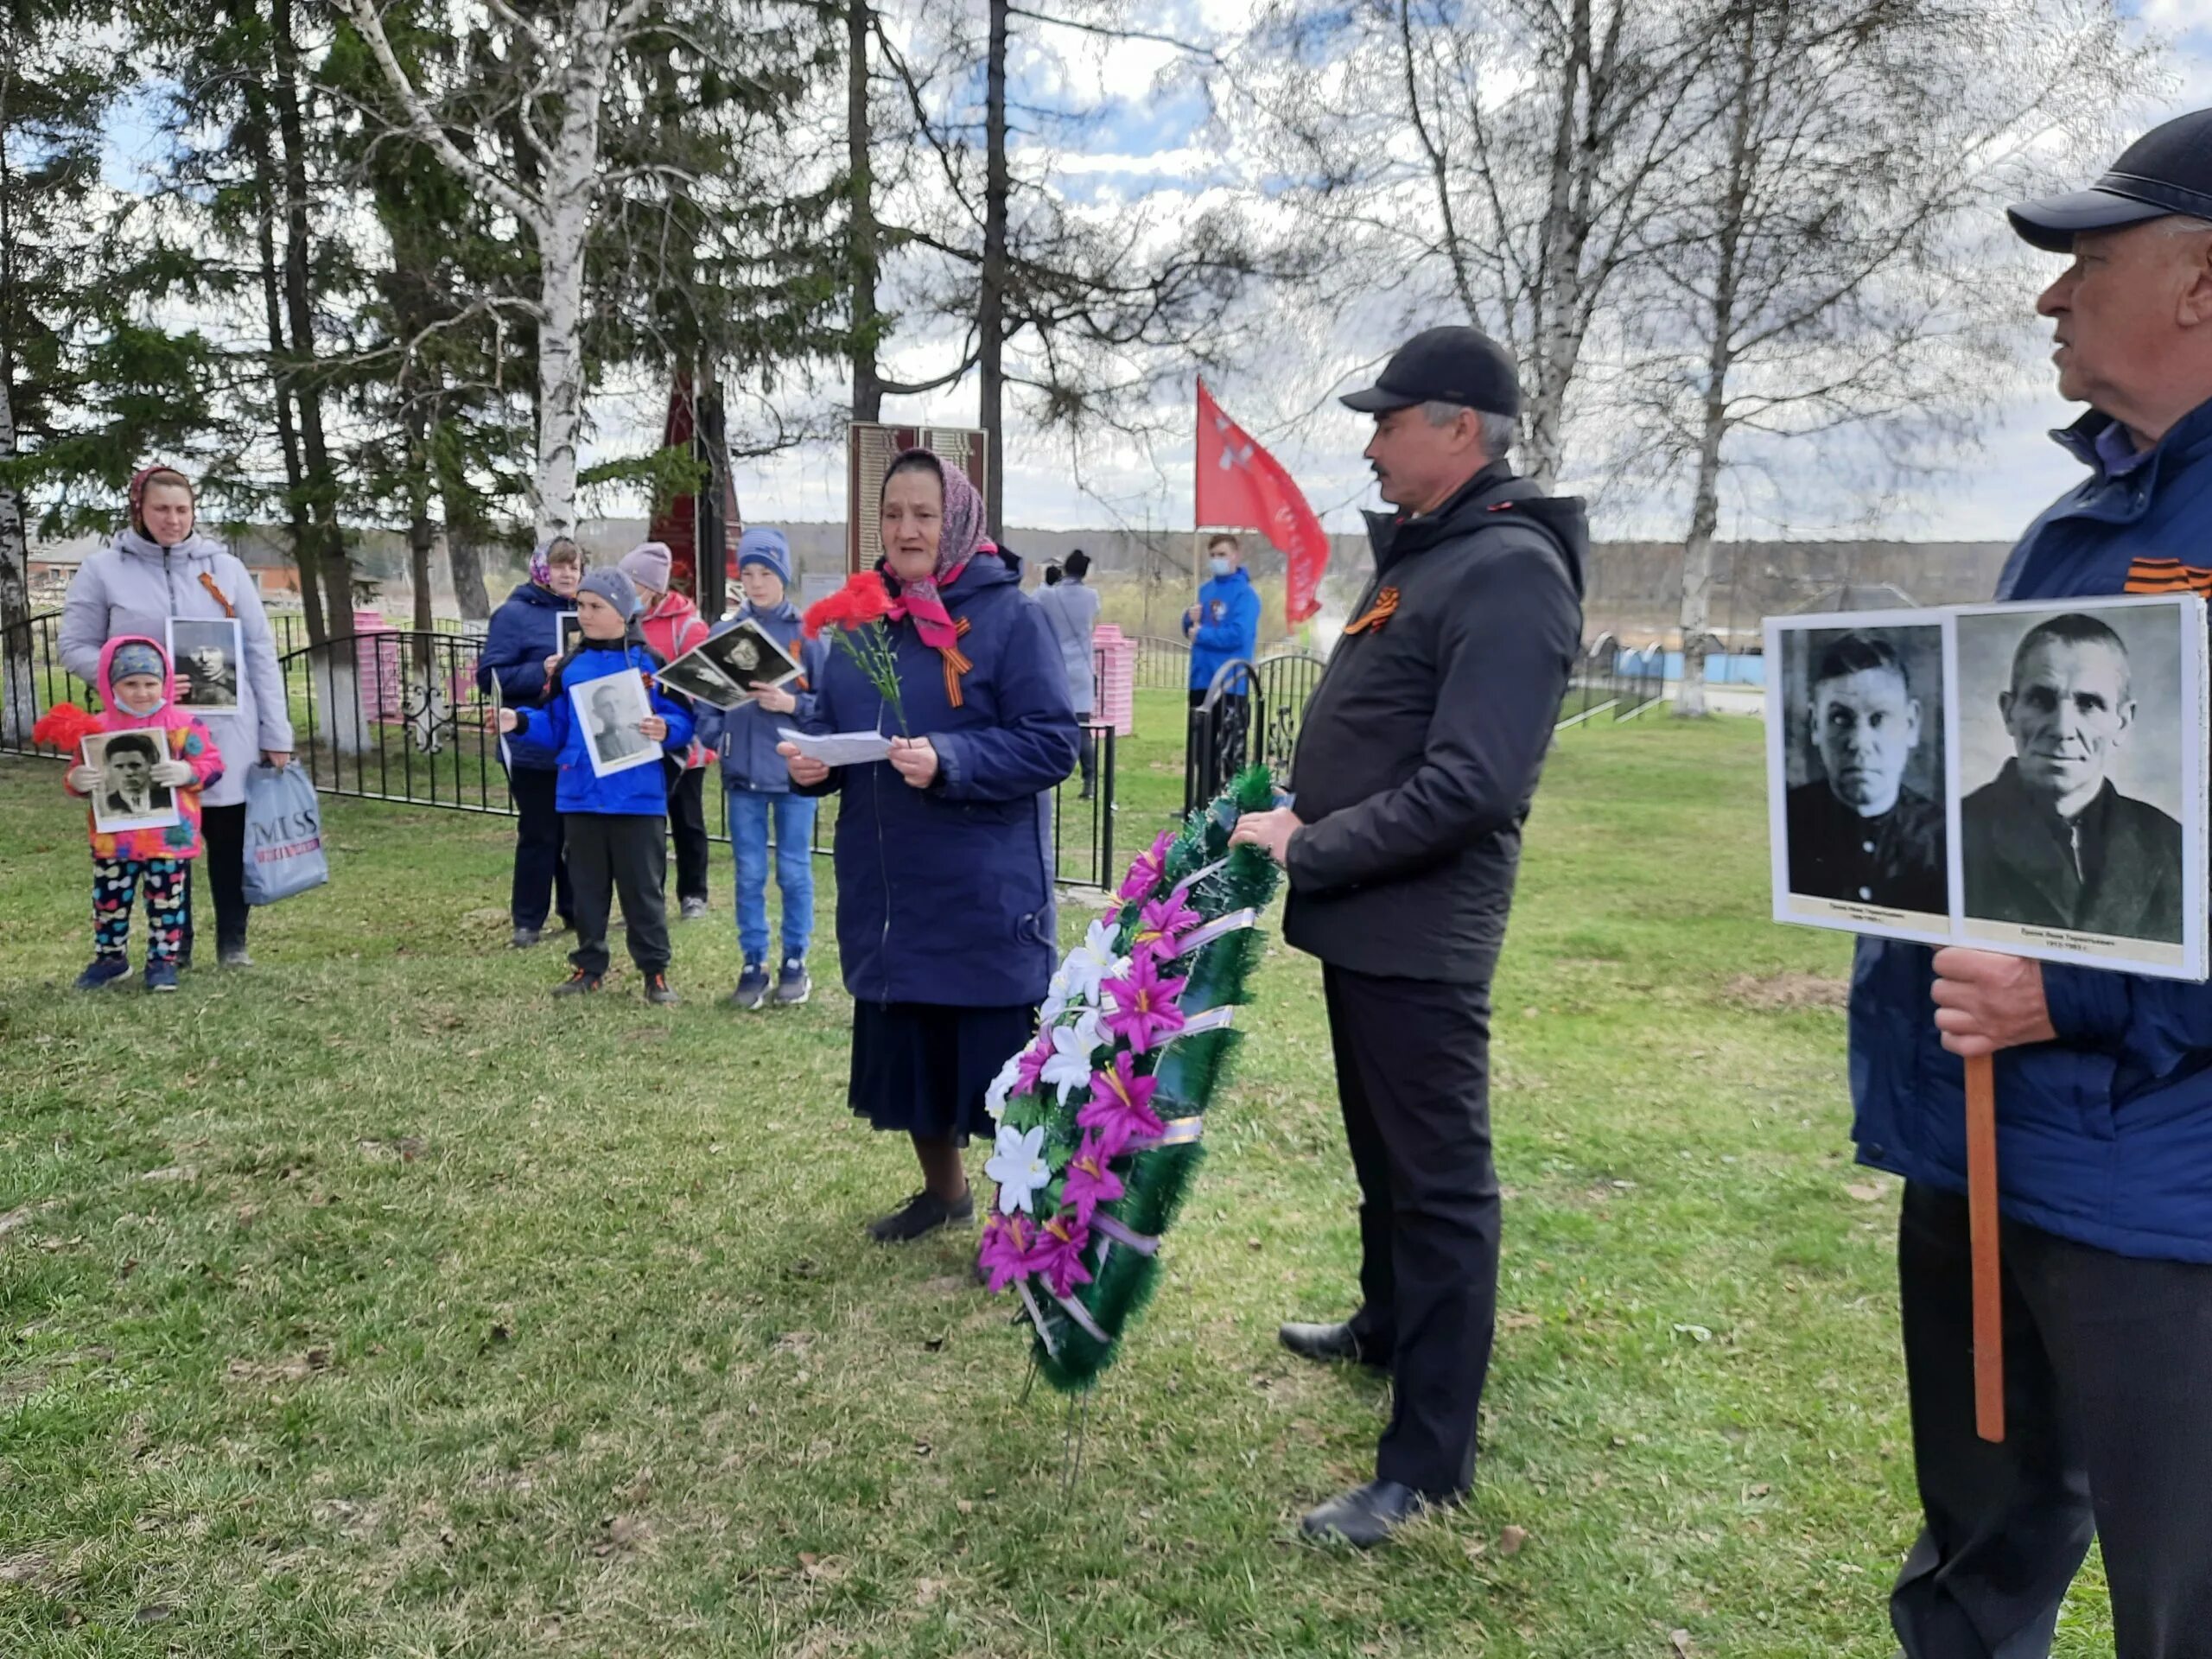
{"points": [[137, 688]]}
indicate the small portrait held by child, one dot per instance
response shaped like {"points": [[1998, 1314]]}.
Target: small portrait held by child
{"points": [[144, 762], [756, 787], [614, 817]]}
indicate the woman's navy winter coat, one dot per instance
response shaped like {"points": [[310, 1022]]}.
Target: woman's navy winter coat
{"points": [[553, 736], [945, 894], [523, 632]]}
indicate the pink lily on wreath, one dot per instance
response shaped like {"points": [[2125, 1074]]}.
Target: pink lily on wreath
{"points": [[1119, 1108], [1144, 1006], [1029, 1064], [1007, 1241], [1058, 1254], [1149, 870], [1087, 1183], [1161, 925]]}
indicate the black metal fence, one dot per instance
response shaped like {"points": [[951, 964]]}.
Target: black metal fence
{"points": [[1161, 664], [1612, 681], [395, 715], [1254, 710], [1250, 712]]}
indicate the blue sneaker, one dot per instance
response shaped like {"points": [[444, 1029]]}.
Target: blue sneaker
{"points": [[792, 986], [105, 971], [752, 987], [161, 976]]}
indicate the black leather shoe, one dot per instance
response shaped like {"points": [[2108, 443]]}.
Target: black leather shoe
{"points": [[1327, 1343], [1367, 1515], [922, 1214]]}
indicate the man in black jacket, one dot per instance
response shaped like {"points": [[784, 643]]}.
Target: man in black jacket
{"points": [[1415, 768]]}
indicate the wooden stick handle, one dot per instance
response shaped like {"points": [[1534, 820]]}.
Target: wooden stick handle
{"points": [[1981, 1224]]}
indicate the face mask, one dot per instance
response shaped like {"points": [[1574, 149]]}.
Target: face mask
{"points": [[1220, 566]]}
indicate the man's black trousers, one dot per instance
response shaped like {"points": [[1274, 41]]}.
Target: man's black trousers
{"points": [[1412, 1076], [625, 852], [2108, 1431]]}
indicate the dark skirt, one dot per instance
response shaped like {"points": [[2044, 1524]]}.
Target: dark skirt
{"points": [[922, 1068]]}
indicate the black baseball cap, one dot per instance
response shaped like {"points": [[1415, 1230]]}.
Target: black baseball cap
{"points": [[2168, 170], [1444, 365]]}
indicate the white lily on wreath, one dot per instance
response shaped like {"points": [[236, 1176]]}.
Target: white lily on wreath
{"points": [[1081, 971], [1018, 1166], [1068, 1068], [994, 1097]]}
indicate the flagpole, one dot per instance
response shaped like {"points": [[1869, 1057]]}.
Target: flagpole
{"points": [[1198, 422]]}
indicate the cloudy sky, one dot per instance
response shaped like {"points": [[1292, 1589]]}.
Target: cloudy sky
{"points": [[1148, 142], [1142, 142], [2019, 464]]}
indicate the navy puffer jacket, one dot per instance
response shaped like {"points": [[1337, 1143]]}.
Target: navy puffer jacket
{"points": [[523, 632], [2104, 1136]]}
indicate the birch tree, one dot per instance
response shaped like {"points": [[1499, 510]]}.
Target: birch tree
{"points": [[586, 155], [1501, 165], [1836, 261], [572, 50]]}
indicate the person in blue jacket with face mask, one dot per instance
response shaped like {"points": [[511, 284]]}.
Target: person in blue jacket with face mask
{"points": [[1224, 624]]}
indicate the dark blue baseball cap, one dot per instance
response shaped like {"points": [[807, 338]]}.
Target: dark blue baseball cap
{"points": [[2167, 171], [1452, 364]]}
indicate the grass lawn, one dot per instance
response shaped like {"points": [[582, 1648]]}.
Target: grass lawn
{"points": [[366, 1304]]}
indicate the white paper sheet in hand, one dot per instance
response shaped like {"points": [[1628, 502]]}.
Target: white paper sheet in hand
{"points": [[840, 748]]}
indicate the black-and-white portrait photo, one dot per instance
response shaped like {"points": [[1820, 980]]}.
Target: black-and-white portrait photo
{"points": [[207, 654], [1856, 746], [749, 657], [694, 675], [2081, 737], [571, 629], [127, 796], [610, 711]]}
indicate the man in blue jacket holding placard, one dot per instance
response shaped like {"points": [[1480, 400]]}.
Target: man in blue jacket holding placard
{"points": [[2104, 1080]]}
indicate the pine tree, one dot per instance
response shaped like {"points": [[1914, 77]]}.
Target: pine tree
{"points": [[89, 388]]}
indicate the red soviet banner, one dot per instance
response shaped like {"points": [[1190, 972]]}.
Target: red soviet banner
{"points": [[1242, 486]]}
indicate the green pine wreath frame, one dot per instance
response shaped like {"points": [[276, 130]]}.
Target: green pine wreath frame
{"points": [[1083, 1258]]}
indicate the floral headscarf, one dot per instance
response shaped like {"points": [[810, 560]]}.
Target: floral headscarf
{"points": [[541, 560], [959, 539]]}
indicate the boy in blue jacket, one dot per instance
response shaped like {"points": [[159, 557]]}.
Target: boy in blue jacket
{"points": [[757, 785], [616, 826], [1224, 624]]}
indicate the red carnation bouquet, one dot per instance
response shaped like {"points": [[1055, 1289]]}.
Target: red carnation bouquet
{"points": [[856, 611], [65, 727]]}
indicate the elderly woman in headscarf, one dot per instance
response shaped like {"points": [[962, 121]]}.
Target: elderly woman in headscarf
{"points": [[521, 645], [945, 923]]}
